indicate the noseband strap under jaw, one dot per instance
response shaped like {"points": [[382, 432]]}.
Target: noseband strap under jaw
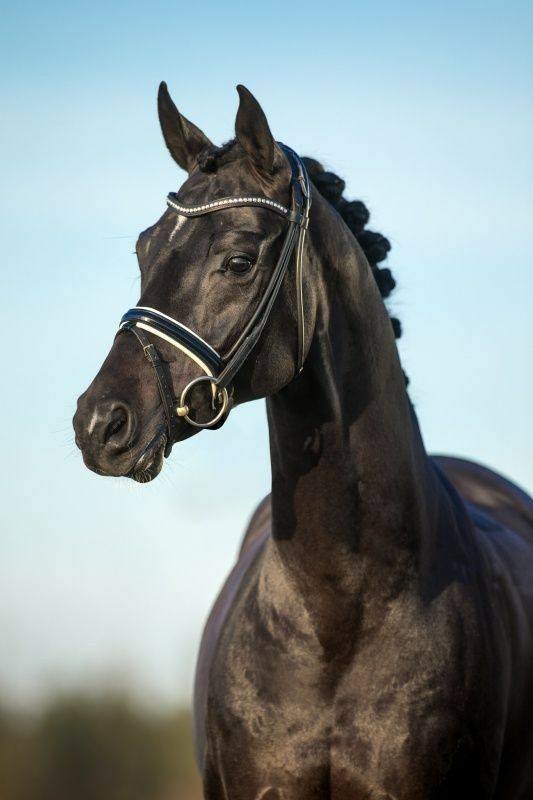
{"points": [[221, 371]]}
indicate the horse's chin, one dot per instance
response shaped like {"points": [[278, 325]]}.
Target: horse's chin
{"points": [[150, 462]]}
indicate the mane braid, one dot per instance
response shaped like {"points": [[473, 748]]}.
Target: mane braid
{"points": [[355, 214]]}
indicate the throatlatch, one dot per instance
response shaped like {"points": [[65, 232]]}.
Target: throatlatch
{"points": [[221, 370]]}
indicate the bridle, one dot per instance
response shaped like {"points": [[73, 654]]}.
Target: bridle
{"points": [[221, 370]]}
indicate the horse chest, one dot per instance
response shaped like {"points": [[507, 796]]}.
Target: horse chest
{"points": [[276, 727], [268, 721], [282, 724]]}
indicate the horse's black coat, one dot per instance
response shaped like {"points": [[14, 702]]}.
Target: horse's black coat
{"points": [[375, 637]]}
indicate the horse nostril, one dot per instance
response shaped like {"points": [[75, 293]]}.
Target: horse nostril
{"points": [[117, 430]]}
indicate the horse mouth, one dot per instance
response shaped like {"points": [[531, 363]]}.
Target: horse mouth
{"points": [[150, 462]]}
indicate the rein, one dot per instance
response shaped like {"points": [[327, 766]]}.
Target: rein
{"points": [[221, 370]]}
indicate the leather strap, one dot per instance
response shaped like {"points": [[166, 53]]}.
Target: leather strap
{"points": [[165, 392], [240, 350], [165, 326]]}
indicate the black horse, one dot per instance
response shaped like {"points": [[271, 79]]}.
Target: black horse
{"points": [[374, 639]]}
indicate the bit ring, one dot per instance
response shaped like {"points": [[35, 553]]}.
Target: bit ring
{"points": [[221, 396]]}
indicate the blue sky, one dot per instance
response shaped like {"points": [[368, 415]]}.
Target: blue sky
{"points": [[424, 108]]}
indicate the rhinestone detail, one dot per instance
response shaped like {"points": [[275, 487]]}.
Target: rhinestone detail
{"points": [[259, 201]]}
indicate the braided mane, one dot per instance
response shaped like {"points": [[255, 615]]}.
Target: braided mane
{"points": [[356, 215]]}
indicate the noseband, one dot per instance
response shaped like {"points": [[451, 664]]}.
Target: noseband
{"points": [[221, 370]]}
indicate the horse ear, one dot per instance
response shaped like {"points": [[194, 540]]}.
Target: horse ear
{"points": [[252, 131], [184, 140]]}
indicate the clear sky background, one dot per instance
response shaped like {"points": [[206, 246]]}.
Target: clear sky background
{"points": [[424, 108]]}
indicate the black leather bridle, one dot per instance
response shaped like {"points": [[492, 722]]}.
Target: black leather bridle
{"points": [[221, 370]]}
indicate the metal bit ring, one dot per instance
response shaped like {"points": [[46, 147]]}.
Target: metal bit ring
{"points": [[221, 396]]}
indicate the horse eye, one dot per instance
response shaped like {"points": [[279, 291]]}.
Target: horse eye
{"points": [[239, 264]]}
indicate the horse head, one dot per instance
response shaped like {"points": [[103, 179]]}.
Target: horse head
{"points": [[223, 314]]}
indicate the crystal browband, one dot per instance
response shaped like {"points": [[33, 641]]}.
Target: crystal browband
{"points": [[226, 202]]}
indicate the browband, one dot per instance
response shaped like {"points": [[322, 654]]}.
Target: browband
{"points": [[225, 202], [221, 370]]}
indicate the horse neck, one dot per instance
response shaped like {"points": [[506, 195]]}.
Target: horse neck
{"points": [[354, 496]]}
